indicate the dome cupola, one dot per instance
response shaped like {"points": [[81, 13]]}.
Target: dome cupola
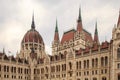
{"points": [[32, 40]]}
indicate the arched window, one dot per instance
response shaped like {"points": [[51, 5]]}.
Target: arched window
{"points": [[118, 53], [92, 62], [106, 61], [102, 61], [77, 65], [87, 63], [5, 68], [84, 63], [46, 69], [96, 62], [70, 65]]}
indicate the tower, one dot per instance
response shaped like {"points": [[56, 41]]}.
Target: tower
{"points": [[115, 60], [79, 21], [56, 35], [56, 39]]}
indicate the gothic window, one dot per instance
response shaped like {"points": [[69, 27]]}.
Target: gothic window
{"points": [[87, 63], [4, 68], [84, 63], [65, 67], [118, 65], [96, 62], [62, 67], [92, 62], [0, 67], [106, 61], [79, 64], [70, 65], [12, 69], [118, 53], [102, 61]]}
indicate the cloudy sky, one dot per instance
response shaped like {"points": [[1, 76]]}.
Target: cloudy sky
{"points": [[16, 15]]}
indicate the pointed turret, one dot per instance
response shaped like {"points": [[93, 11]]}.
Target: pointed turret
{"points": [[56, 36], [118, 19], [33, 23], [96, 38], [79, 21]]}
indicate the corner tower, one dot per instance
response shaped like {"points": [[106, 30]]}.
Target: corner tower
{"points": [[32, 40]]}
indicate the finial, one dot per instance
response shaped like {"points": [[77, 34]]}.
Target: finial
{"points": [[33, 23]]}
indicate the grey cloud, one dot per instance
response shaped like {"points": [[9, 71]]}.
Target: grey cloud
{"points": [[66, 12]]}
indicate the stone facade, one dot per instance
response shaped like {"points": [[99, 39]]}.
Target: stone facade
{"points": [[75, 57]]}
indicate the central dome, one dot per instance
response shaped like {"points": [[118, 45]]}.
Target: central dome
{"points": [[32, 35]]}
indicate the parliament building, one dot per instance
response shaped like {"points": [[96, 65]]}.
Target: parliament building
{"points": [[76, 56]]}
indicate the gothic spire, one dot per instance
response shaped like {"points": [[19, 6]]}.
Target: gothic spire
{"points": [[79, 17], [96, 39], [56, 28], [118, 19], [33, 23], [56, 35], [79, 21]]}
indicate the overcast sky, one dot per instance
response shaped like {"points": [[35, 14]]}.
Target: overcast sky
{"points": [[16, 15]]}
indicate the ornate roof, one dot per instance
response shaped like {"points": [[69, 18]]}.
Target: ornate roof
{"points": [[67, 36]]}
